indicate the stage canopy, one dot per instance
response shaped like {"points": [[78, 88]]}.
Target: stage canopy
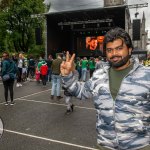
{"points": [[69, 22], [73, 5]]}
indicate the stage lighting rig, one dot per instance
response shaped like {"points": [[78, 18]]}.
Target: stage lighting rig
{"points": [[98, 21]]}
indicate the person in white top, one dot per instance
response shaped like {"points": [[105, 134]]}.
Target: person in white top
{"points": [[20, 68]]}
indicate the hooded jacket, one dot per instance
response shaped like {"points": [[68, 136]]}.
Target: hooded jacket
{"points": [[123, 123], [44, 69], [9, 67]]}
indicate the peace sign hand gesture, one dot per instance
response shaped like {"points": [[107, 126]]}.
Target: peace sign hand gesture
{"points": [[67, 66]]}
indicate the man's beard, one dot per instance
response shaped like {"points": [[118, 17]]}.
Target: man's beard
{"points": [[120, 63]]}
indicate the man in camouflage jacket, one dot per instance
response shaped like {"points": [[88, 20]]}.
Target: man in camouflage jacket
{"points": [[121, 93]]}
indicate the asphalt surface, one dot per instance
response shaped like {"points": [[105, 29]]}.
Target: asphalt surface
{"points": [[36, 122]]}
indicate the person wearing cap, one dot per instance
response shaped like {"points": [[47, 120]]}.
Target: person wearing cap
{"points": [[43, 71], [121, 93], [41, 61]]}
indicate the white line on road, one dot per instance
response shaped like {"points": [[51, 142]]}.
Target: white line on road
{"points": [[32, 94], [21, 99], [28, 95], [51, 140]]}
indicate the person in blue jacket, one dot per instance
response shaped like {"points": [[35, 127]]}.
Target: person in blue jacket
{"points": [[8, 68]]}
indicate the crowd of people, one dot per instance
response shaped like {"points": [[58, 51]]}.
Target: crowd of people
{"points": [[120, 88], [45, 70]]}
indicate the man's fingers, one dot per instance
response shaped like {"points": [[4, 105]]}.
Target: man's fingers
{"points": [[67, 56], [62, 64], [72, 58]]}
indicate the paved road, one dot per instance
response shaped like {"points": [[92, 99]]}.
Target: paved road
{"points": [[36, 122]]}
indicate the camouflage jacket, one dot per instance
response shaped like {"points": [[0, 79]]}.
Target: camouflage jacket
{"points": [[123, 124]]}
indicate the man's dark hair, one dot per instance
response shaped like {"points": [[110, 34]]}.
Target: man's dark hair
{"points": [[6, 53], [117, 33], [93, 38]]}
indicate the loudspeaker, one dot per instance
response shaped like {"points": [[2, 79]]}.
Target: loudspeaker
{"points": [[38, 36], [136, 29]]}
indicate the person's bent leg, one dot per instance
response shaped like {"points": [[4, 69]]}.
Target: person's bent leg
{"points": [[68, 103]]}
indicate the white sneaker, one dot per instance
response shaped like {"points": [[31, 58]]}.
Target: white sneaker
{"points": [[12, 103], [28, 79], [6, 103], [17, 85], [20, 84]]}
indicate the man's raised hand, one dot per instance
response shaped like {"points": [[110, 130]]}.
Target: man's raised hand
{"points": [[67, 66]]}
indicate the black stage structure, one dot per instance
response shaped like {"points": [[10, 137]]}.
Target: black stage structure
{"points": [[66, 31]]}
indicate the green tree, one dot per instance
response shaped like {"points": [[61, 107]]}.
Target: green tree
{"points": [[20, 19], [5, 3]]}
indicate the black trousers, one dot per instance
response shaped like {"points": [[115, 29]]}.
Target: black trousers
{"points": [[8, 86], [43, 77], [19, 74], [31, 71]]}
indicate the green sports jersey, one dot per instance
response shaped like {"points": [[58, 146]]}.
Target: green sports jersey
{"points": [[91, 64], [84, 64]]}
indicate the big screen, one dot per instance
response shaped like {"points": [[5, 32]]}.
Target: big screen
{"points": [[94, 43], [89, 45]]}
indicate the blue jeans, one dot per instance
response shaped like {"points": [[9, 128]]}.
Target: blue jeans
{"points": [[84, 72], [49, 73], [79, 71], [56, 85]]}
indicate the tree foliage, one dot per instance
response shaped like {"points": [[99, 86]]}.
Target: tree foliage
{"points": [[5, 3], [18, 20]]}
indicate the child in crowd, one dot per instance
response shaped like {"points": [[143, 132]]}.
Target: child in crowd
{"points": [[37, 75], [44, 70]]}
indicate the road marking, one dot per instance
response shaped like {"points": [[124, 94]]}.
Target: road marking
{"points": [[2, 103], [28, 95], [51, 140], [32, 94], [21, 98], [53, 103]]}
